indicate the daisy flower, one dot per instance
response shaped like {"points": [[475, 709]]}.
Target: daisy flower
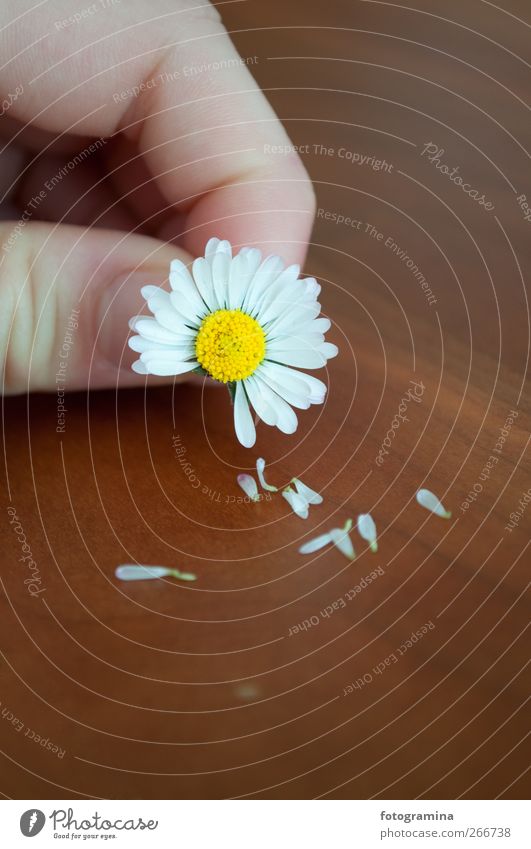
{"points": [[246, 321]]}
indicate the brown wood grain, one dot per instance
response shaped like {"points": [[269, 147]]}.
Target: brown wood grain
{"points": [[163, 690]]}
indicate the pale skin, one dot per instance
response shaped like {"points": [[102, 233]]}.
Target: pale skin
{"points": [[186, 155]]}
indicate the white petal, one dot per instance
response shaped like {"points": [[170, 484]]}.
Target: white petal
{"points": [[341, 539], [260, 466], [191, 313], [177, 354], [158, 300], [182, 576], [315, 325], [149, 291], [165, 368], [182, 283], [293, 318], [286, 420], [221, 264], [294, 342], [139, 367], [180, 276], [248, 484], [141, 345], [367, 530], [253, 259], [430, 501], [263, 278], [303, 359], [315, 389], [315, 544], [297, 503], [260, 404], [129, 572], [293, 393], [203, 280], [243, 421], [150, 329], [329, 350], [312, 287], [272, 302], [171, 321], [215, 246], [307, 493], [239, 278]]}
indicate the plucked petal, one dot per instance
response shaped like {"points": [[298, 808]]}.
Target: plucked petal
{"points": [[130, 572], [430, 502], [248, 484], [315, 544], [367, 530], [341, 540], [296, 502], [260, 466], [309, 494]]}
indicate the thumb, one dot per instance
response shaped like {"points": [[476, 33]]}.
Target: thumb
{"points": [[67, 294]]}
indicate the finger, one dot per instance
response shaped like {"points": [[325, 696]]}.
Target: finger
{"points": [[217, 149], [84, 198], [168, 75], [67, 294]]}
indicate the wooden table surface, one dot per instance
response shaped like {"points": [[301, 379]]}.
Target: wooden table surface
{"points": [[170, 690]]}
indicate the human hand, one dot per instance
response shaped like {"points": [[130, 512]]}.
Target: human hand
{"points": [[130, 133]]}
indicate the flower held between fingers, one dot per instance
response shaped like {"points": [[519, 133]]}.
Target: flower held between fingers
{"points": [[246, 321]]}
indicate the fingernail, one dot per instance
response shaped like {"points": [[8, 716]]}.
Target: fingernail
{"points": [[118, 303]]}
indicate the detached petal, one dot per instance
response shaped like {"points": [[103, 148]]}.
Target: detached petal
{"points": [[310, 495], [298, 504], [128, 572], [248, 484], [367, 530], [430, 501], [315, 544], [260, 466], [341, 539]]}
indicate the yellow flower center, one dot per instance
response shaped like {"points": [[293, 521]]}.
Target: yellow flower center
{"points": [[230, 345]]}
